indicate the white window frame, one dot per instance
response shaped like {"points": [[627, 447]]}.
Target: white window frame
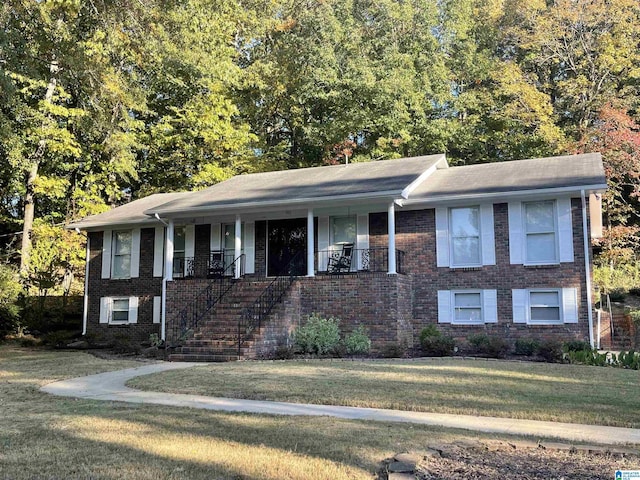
{"points": [[183, 251], [112, 310], [114, 254], [452, 236], [106, 310], [488, 306], [454, 307], [530, 306], [569, 305], [526, 234]]}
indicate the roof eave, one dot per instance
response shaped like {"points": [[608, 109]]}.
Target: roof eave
{"points": [[508, 194]]}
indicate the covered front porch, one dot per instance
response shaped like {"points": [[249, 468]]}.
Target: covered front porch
{"points": [[340, 241]]}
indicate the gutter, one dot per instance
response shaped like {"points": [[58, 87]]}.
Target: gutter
{"points": [[508, 193], [85, 300], [163, 299], [587, 266]]}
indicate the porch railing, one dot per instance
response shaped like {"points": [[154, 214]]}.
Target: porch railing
{"points": [[187, 319], [362, 260], [203, 267], [254, 315]]}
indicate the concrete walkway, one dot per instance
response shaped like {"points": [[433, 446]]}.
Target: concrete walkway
{"points": [[111, 386]]}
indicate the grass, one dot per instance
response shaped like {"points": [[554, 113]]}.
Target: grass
{"points": [[538, 391], [42, 436]]}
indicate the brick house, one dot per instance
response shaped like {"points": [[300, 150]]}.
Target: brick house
{"points": [[394, 245]]}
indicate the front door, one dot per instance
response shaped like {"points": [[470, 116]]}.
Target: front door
{"points": [[286, 239]]}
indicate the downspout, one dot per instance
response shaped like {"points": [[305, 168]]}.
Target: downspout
{"points": [[587, 266], [85, 307]]}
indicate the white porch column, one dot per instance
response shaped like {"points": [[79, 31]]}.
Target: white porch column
{"points": [[168, 276], [310, 244], [238, 246], [392, 238]]}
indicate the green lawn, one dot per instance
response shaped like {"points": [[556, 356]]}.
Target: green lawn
{"points": [[539, 391], [43, 436]]}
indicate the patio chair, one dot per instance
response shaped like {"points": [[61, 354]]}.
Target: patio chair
{"points": [[340, 262], [216, 264]]}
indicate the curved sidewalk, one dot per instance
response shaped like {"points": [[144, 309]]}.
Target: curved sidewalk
{"points": [[111, 386]]}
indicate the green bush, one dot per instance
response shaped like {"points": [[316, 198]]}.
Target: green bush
{"points": [[527, 346], [394, 351], [588, 357], [629, 359], [357, 342], [318, 336], [10, 290], [494, 347], [434, 344], [551, 351], [617, 295], [576, 346]]}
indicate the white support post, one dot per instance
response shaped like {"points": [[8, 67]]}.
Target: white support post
{"points": [[310, 244], [168, 276], [392, 238], [238, 246]]}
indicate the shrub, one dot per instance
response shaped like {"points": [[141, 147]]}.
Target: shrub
{"points": [[283, 352], [634, 291], [550, 350], [357, 342], [527, 346], [629, 359], [495, 347], [435, 344], [394, 351], [318, 336], [576, 346], [617, 295], [587, 357], [10, 290]]}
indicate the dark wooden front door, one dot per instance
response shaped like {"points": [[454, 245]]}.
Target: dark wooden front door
{"points": [[287, 238]]}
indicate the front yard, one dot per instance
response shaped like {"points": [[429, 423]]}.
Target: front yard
{"points": [[537, 391], [42, 436]]}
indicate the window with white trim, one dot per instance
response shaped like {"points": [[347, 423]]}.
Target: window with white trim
{"points": [[467, 307], [343, 230], [465, 236], [119, 310], [121, 258], [179, 246], [545, 306], [541, 232], [464, 232]]}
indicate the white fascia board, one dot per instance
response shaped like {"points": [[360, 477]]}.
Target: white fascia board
{"points": [[499, 197], [270, 205], [98, 227], [421, 178]]}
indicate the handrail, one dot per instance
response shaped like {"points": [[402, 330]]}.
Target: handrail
{"points": [[187, 319], [253, 316]]}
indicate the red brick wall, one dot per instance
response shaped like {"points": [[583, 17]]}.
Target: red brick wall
{"points": [[145, 287]]}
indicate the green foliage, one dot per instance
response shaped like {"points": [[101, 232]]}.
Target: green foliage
{"points": [[550, 351], [357, 342], [527, 346], [617, 280], [492, 346], [318, 335], [629, 359], [435, 344], [588, 357], [155, 340], [10, 290], [397, 350], [576, 346]]}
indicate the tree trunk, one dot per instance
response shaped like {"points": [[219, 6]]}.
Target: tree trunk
{"points": [[29, 197]]}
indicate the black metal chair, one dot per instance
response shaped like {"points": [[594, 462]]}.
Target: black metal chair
{"points": [[216, 264], [340, 262]]}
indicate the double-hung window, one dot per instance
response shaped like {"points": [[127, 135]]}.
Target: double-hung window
{"points": [[465, 236], [545, 306], [464, 228], [467, 307], [121, 262], [179, 245], [119, 311], [540, 230]]}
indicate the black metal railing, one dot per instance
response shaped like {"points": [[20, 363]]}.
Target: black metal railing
{"points": [[254, 315], [186, 320], [376, 259], [202, 267]]}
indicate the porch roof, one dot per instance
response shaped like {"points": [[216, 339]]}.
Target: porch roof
{"points": [[129, 214], [566, 173], [388, 178]]}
